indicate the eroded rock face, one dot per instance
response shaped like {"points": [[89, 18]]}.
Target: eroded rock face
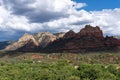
{"points": [[28, 47], [59, 35], [44, 38], [69, 34], [22, 41], [32, 42], [111, 42], [88, 39], [91, 31]]}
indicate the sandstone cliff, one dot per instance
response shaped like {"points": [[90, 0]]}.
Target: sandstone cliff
{"points": [[91, 31], [69, 34], [32, 42], [59, 35], [88, 39], [44, 38], [21, 42]]}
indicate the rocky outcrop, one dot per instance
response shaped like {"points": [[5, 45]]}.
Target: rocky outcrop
{"points": [[32, 42], [21, 42], [59, 35], [91, 31], [44, 38], [28, 47], [111, 42], [69, 34], [27, 37], [88, 39]]}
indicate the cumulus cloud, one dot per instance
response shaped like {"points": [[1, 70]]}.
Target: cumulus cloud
{"points": [[41, 11], [20, 16], [108, 19]]}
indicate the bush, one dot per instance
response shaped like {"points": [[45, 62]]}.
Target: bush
{"points": [[60, 70]]}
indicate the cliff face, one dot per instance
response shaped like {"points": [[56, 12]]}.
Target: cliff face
{"points": [[69, 34], [112, 42], [90, 31], [32, 42], [88, 39], [21, 42], [59, 35], [44, 38]]}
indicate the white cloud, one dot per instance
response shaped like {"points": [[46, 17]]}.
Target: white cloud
{"points": [[42, 11], [108, 19], [19, 16]]}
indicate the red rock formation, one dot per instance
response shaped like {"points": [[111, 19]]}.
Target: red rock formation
{"points": [[88, 39], [111, 42], [36, 56], [69, 34], [91, 31]]}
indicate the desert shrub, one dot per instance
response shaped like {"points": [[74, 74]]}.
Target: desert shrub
{"points": [[59, 70], [112, 69], [87, 71], [95, 72]]}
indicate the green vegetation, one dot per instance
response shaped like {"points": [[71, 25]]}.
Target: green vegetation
{"points": [[35, 66], [60, 70]]}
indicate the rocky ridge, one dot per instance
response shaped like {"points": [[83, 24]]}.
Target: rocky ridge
{"points": [[88, 39], [91, 31], [21, 42], [31, 42], [3, 44], [44, 38]]}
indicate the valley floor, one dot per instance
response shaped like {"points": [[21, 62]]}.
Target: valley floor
{"points": [[59, 66]]}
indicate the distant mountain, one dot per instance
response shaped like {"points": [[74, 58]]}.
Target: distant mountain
{"points": [[44, 38], [88, 39], [21, 42], [33, 42], [59, 35], [4, 44], [118, 37]]}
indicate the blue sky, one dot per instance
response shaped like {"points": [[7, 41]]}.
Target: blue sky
{"points": [[100, 4], [31, 16]]}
